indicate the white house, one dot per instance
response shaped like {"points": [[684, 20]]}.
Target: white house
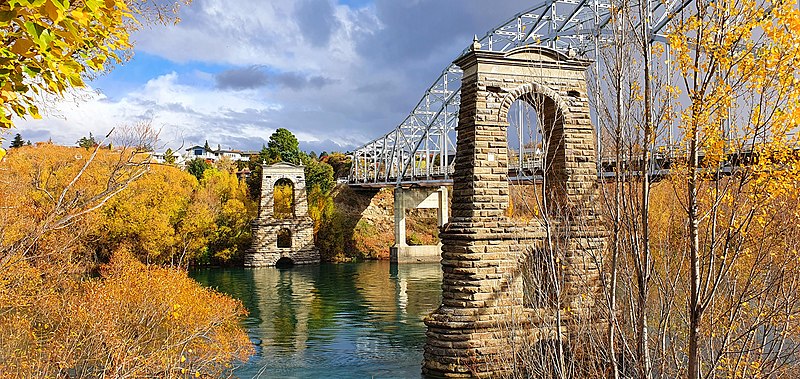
{"points": [[198, 151], [161, 158]]}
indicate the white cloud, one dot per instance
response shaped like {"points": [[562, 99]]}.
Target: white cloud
{"points": [[335, 76], [180, 111], [275, 33]]}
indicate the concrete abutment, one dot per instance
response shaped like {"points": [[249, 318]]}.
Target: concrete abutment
{"points": [[419, 198]]}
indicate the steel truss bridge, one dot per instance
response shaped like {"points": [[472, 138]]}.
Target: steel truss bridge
{"points": [[421, 149]]}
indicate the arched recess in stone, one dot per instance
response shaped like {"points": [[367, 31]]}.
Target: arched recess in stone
{"points": [[283, 199], [284, 238], [539, 289], [550, 112], [284, 262]]}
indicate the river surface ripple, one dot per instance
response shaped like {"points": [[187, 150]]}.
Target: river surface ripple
{"points": [[353, 320]]}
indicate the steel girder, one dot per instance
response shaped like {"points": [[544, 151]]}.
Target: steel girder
{"points": [[422, 147]]}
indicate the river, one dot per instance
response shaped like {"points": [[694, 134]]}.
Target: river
{"points": [[353, 320]]}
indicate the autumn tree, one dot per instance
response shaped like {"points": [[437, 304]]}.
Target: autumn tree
{"points": [[147, 219], [49, 46], [319, 174], [62, 314], [226, 164], [232, 211], [340, 163], [737, 64]]}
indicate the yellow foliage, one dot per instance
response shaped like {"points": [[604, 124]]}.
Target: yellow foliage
{"points": [[283, 201], [168, 217], [132, 321], [49, 46], [145, 216], [57, 317]]}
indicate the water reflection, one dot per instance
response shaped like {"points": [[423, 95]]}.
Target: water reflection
{"points": [[342, 320]]}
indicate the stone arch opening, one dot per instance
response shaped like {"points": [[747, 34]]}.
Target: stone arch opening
{"points": [[535, 116], [545, 113], [534, 120], [284, 262], [284, 238], [283, 199]]}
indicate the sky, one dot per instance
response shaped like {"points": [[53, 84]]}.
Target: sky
{"points": [[335, 73]]}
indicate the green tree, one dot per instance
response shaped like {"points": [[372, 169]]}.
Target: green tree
{"points": [[169, 157], [283, 146], [197, 167], [49, 46], [320, 175], [254, 180], [87, 143], [17, 141]]}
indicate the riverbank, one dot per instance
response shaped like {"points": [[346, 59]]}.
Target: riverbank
{"points": [[361, 226]]}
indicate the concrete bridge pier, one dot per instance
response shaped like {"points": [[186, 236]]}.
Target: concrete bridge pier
{"points": [[417, 198]]}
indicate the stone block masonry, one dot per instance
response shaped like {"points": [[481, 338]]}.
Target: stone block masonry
{"points": [[289, 238], [490, 302]]}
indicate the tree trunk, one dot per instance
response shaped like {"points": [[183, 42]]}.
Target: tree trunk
{"points": [[694, 258], [643, 271]]}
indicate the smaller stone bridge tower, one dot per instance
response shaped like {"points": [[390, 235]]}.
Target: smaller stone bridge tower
{"points": [[288, 238]]}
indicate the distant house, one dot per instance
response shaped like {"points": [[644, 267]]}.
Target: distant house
{"points": [[211, 155], [161, 158], [198, 151], [243, 173], [234, 155]]}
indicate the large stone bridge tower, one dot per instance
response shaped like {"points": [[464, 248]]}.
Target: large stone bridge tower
{"points": [[508, 286], [289, 238]]}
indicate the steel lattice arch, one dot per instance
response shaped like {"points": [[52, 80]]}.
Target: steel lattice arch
{"points": [[422, 147]]}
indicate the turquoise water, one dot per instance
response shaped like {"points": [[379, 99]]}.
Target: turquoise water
{"points": [[355, 320]]}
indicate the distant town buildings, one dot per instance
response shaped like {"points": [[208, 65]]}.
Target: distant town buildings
{"points": [[206, 153], [211, 155]]}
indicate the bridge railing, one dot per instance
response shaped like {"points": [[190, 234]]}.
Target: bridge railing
{"points": [[571, 26], [662, 161]]}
